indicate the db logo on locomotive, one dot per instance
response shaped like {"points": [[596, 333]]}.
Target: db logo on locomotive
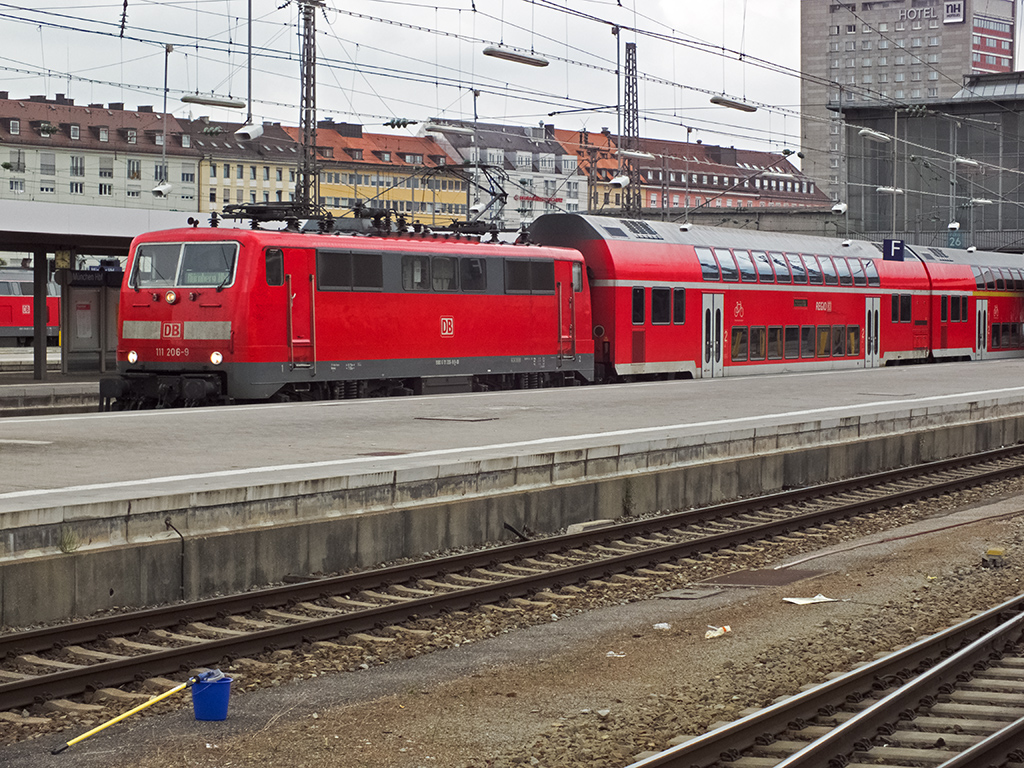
{"points": [[447, 326], [170, 330]]}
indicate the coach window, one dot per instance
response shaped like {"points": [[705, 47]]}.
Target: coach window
{"points": [[1018, 280], [990, 279], [775, 343], [853, 340], [872, 272], [979, 278], [747, 272], [843, 268], [905, 307], [838, 340], [858, 272], [799, 270], [763, 266], [963, 309], [996, 339], [824, 345], [678, 306], [661, 306], [782, 274], [943, 308], [275, 266], [1014, 329], [792, 342], [638, 306], [444, 275], [813, 269], [730, 273], [895, 307], [739, 344], [757, 343], [708, 265], [473, 274], [998, 275], [415, 273], [829, 270], [806, 341]]}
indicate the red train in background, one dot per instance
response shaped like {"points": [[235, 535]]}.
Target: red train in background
{"points": [[220, 315], [16, 308]]}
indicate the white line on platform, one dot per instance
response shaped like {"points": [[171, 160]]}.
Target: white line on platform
{"points": [[660, 432], [25, 442]]}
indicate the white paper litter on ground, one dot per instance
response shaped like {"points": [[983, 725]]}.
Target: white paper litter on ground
{"points": [[819, 598]]}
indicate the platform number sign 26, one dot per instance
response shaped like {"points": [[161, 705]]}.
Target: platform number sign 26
{"points": [[447, 326]]}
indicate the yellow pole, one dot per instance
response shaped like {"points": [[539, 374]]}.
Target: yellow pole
{"points": [[119, 718]]}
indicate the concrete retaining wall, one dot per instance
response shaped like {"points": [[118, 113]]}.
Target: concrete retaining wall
{"points": [[74, 560]]}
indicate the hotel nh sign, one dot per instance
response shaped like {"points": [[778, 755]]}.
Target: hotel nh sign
{"points": [[954, 11]]}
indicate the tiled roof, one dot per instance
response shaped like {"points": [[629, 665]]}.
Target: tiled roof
{"points": [[62, 113], [217, 139], [372, 148]]}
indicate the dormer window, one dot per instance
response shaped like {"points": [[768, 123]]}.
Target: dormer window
{"points": [[132, 136], [76, 132], [158, 139], [355, 154], [385, 157], [104, 134], [15, 127], [186, 140], [414, 159]]}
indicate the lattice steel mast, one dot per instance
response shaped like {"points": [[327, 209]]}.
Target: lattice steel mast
{"points": [[307, 191], [631, 199]]}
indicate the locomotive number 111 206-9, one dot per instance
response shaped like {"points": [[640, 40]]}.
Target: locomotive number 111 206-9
{"points": [[171, 351]]}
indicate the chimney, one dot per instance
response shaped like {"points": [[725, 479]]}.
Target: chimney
{"points": [[4, 95], [147, 108], [116, 105]]}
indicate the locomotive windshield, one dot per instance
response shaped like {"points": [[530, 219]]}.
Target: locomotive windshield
{"points": [[187, 265]]}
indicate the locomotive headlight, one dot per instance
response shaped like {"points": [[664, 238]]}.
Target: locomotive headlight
{"points": [[216, 358], [171, 297], [133, 356]]}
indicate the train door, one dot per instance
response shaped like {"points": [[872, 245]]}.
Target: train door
{"points": [[570, 279], [871, 329], [981, 319], [713, 332], [299, 266]]}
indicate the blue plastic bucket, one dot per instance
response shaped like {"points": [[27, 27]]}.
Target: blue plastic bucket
{"points": [[210, 700]]}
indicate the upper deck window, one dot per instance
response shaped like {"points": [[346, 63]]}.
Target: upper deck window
{"points": [[708, 265], [165, 265]]}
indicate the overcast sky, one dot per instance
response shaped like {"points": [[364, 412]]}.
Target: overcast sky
{"points": [[382, 59]]}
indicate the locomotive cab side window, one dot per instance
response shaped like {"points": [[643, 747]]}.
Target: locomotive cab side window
{"points": [[444, 274], [473, 274], [661, 306], [415, 273], [274, 258], [529, 276], [577, 277], [346, 271]]}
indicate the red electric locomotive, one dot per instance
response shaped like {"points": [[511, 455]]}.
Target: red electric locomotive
{"points": [[671, 301], [16, 308], [218, 315]]}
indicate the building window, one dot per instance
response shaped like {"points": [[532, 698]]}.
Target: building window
{"points": [[252, 174], [47, 186], [227, 196], [883, 61], [106, 190], [106, 167], [933, 41], [933, 93], [47, 164], [160, 172], [76, 132], [280, 175], [77, 187], [213, 195], [238, 194], [132, 136], [158, 139], [104, 134], [883, 44], [865, 45], [240, 172], [851, 29], [266, 173], [188, 173], [18, 186], [186, 140], [15, 127], [134, 169], [78, 165], [866, 63], [17, 160]]}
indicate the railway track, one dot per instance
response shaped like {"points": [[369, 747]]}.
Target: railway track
{"points": [[952, 700], [69, 660]]}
